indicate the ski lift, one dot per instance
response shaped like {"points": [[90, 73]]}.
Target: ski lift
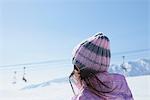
{"points": [[14, 78], [23, 78], [123, 66]]}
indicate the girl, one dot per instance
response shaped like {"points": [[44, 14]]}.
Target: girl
{"points": [[91, 61]]}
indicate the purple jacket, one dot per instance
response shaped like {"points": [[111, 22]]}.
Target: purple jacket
{"points": [[121, 91]]}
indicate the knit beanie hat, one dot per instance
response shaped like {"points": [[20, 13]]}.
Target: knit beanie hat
{"points": [[94, 53]]}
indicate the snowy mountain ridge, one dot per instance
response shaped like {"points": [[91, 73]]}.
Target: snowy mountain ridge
{"points": [[132, 68]]}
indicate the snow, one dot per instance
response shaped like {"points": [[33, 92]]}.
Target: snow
{"points": [[62, 91], [52, 83], [140, 87]]}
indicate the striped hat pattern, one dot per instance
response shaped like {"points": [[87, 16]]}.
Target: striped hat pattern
{"points": [[94, 53]]}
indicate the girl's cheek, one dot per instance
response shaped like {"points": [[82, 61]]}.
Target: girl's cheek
{"points": [[78, 85], [77, 82]]}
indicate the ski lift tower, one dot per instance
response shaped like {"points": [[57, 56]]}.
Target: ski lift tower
{"points": [[123, 66], [24, 73], [14, 78]]}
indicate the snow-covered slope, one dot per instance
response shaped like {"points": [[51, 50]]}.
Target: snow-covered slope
{"points": [[53, 84], [132, 68], [47, 83], [62, 91], [140, 87]]}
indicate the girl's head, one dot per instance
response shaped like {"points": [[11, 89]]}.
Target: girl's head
{"points": [[94, 54], [90, 57]]}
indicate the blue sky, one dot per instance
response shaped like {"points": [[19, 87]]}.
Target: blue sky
{"points": [[40, 30]]}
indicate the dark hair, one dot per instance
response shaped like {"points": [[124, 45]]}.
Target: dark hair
{"points": [[86, 75]]}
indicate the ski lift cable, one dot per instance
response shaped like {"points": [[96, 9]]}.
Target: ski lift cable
{"points": [[131, 52], [132, 55], [34, 63], [32, 67], [62, 60]]}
